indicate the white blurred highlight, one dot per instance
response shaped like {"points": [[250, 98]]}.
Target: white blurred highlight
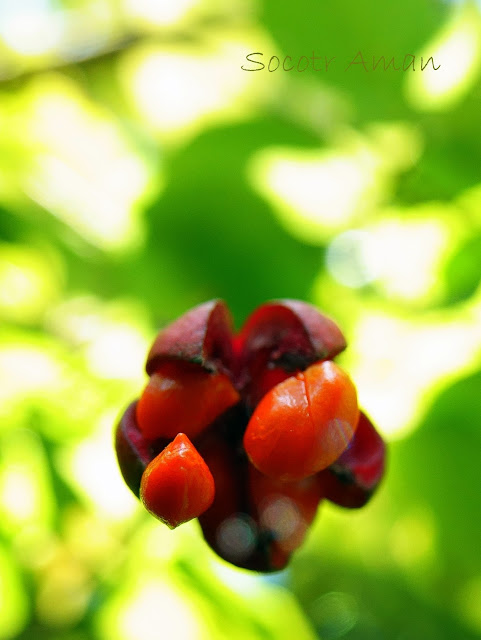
{"points": [[401, 257], [457, 48], [18, 495], [104, 489], [26, 370], [179, 90], [31, 27], [401, 365], [84, 171], [153, 611], [159, 12], [316, 193]]}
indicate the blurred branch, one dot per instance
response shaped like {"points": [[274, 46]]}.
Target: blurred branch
{"points": [[89, 50]]}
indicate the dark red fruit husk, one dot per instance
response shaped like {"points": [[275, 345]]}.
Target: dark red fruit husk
{"points": [[202, 335], [285, 335], [134, 452], [352, 479], [229, 526]]}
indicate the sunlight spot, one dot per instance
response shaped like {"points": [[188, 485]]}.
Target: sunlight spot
{"points": [[84, 171], [149, 609], [179, 90], [243, 582], [18, 494], [160, 545], [156, 607], [400, 365], [406, 254], [25, 491], [317, 193], [116, 353], [28, 282], [92, 468], [458, 50], [25, 370], [158, 12], [31, 27], [347, 259], [401, 256], [114, 337]]}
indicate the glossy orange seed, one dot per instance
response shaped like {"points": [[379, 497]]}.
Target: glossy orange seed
{"points": [[181, 397], [303, 424], [177, 485]]}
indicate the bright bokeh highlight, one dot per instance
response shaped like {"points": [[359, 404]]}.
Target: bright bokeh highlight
{"points": [[457, 48]]}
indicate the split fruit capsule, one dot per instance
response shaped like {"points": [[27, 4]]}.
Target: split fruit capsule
{"points": [[249, 431]]}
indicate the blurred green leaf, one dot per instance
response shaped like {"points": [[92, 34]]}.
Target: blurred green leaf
{"points": [[463, 272]]}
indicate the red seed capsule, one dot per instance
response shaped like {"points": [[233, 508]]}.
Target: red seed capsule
{"points": [[303, 424], [262, 418], [177, 485]]}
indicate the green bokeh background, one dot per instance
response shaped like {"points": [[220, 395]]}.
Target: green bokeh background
{"points": [[143, 172]]}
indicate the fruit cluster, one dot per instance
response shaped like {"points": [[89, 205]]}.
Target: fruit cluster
{"points": [[248, 432]]}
